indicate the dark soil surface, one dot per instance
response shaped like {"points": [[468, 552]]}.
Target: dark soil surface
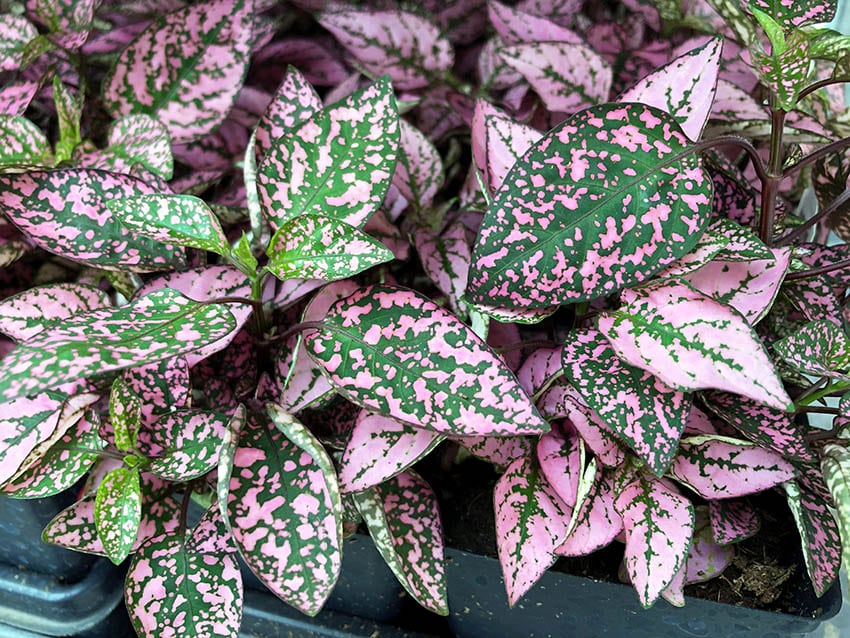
{"points": [[767, 572]]}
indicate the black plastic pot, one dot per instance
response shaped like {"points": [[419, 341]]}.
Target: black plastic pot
{"points": [[50, 591]]}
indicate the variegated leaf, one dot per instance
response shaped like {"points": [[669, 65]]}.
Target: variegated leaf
{"points": [[189, 593], [162, 386], [560, 455], [591, 427], [659, 525], [560, 11], [321, 168], [587, 234], [744, 244], [531, 521], [498, 141], [404, 521], [500, 451], [211, 535], [15, 33], [23, 143], [836, 472], [295, 102], [515, 25], [794, 14], [785, 71], [118, 512], [26, 422], [11, 250], [445, 258], [750, 287], [773, 429], [16, 97], [684, 88], [69, 21], [190, 441], [597, 523], [125, 414], [321, 247], [692, 342], [24, 315], [733, 520], [567, 76], [160, 325], [419, 172], [183, 220], [300, 383], [62, 465], [138, 140], [74, 527], [401, 44], [64, 211], [395, 352], [191, 63], [819, 534], [540, 369], [719, 467], [819, 348], [639, 407], [282, 516], [381, 448]]}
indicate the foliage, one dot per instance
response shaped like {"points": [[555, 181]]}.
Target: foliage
{"points": [[568, 238]]}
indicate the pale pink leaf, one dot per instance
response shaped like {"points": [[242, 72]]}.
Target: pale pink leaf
{"points": [[445, 258], [15, 33], [516, 26], [419, 171], [498, 141], [597, 523], [733, 520]]}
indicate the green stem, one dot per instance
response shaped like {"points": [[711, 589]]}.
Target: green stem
{"points": [[831, 388], [770, 185], [258, 316]]}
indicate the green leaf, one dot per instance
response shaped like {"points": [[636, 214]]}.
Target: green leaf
{"points": [[184, 220], [125, 415], [160, 325], [242, 254], [69, 109], [560, 230], [318, 247], [118, 512]]}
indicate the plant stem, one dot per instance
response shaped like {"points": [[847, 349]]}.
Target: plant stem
{"points": [[298, 327], [184, 511], [818, 409], [823, 213], [820, 270], [770, 185], [831, 388], [813, 157]]}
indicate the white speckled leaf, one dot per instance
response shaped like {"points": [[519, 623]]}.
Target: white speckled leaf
{"points": [[189, 593], [836, 473], [64, 211], [319, 247], [395, 352], [125, 414], [160, 325], [118, 512], [339, 163], [408, 48], [819, 348], [692, 342], [185, 69]]}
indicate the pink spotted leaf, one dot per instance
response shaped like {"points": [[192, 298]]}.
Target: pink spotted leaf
{"points": [[419, 172], [720, 467], [500, 451], [381, 448], [659, 524], [62, 211], [182, 220], [282, 514], [498, 141], [166, 581], [794, 14], [125, 415], [408, 48], [25, 423], [540, 369], [516, 26], [62, 465], [319, 247], [404, 521], [820, 348], [591, 427], [160, 325], [211, 535], [24, 315], [732, 520], [319, 168], [744, 244], [397, 353], [118, 512], [300, 383], [639, 407], [750, 287], [138, 140], [15, 33], [531, 521], [190, 441], [713, 347], [23, 143], [560, 455], [445, 258], [69, 21], [567, 76], [773, 429], [162, 386], [295, 102], [684, 88], [597, 523], [193, 60], [16, 97], [528, 253], [785, 71], [819, 533]]}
